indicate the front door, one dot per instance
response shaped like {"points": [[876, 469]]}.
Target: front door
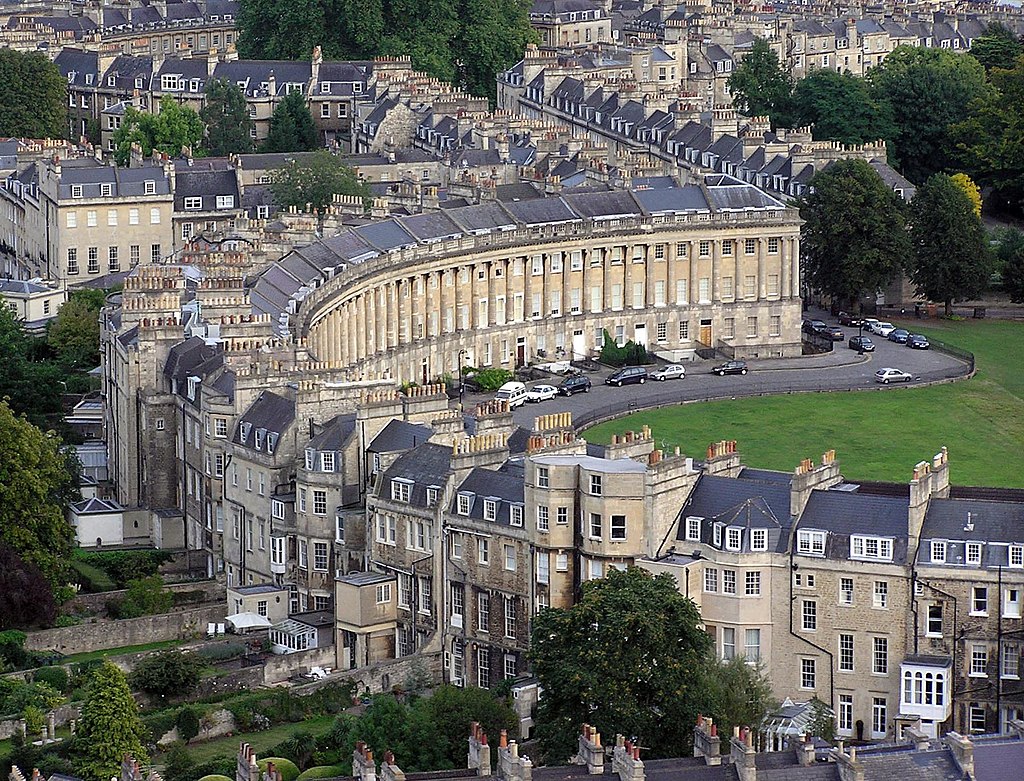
{"points": [[521, 351], [705, 332], [640, 334]]}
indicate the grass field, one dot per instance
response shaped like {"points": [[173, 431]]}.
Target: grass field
{"points": [[92, 656], [261, 741], [877, 436]]}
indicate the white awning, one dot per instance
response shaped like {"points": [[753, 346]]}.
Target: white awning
{"points": [[248, 621]]}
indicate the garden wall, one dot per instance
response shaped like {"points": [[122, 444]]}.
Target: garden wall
{"points": [[95, 636], [95, 603]]}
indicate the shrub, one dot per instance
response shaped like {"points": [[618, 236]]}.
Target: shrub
{"points": [[144, 597], [55, 677], [489, 379], [187, 723], [630, 354], [321, 771], [34, 718], [12, 648], [66, 620], [178, 764], [215, 777], [167, 673], [288, 769], [122, 567], [221, 652], [93, 579]]}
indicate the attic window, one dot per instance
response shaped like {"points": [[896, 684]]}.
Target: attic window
{"points": [[878, 548], [327, 462], [149, 186], [111, 81], [432, 492], [244, 432], [811, 542], [309, 459], [138, 83], [463, 504], [693, 529], [516, 518], [759, 539], [106, 189], [401, 490], [490, 509], [272, 438], [261, 433], [193, 383], [76, 191]]}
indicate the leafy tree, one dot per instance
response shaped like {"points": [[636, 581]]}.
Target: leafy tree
{"points": [[143, 597], [314, 180], [33, 96], [927, 90], [630, 354], [991, 139], [1010, 255], [75, 333], [291, 127], [646, 687], [997, 48], [179, 764], [187, 720], [952, 260], [37, 482], [971, 190], [26, 598], [854, 238], [169, 673], [841, 108], [760, 86], [226, 116], [493, 36], [739, 694], [174, 128], [109, 726], [441, 721], [31, 387]]}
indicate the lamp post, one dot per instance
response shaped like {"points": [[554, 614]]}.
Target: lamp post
{"points": [[462, 386], [860, 339]]}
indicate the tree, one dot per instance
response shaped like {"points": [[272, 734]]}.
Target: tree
{"points": [[314, 180], [441, 721], [760, 86], [998, 47], [226, 116], [109, 726], [143, 597], [626, 658], [952, 260], [1010, 255], [178, 764], [37, 483], [31, 387], [493, 36], [291, 127], [26, 598], [173, 129], [854, 240], [33, 96], [991, 140], [168, 673], [187, 721], [739, 694], [927, 90], [75, 333], [840, 108], [971, 190]]}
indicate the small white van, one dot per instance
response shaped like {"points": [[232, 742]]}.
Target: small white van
{"points": [[512, 392]]}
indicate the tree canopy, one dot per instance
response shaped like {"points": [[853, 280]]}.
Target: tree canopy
{"points": [[174, 128], [74, 335], [840, 107], [1010, 255], [760, 86], [226, 116], [463, 41], [927, 90], [998, 47], [109, 726], [291, 127], [168, 673], [33, 96], [314, 180], [37, 482], [30, 384], [854, 239], [952, 260], [26, 598], [628, 658]]}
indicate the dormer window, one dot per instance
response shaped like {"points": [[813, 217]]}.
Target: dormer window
{"points": [[225, 202], [401, 490], [310, 454], [973, 553], [693, 529], [193, 85], [325, 86], [516, 516], [327, 462], [272, 438], [716, 535], [811, 543], [111, 81], [149, 187], [463, 504], [88, 79], [106, 190], [138, 83], [277, 509], [876, 548], [733, 538], [432, 493], [758, 539], [193, 203], [193, 384], [490, 509], [243, 432], [261, 433], [76, 191], [1016, 556], [938, 552]]}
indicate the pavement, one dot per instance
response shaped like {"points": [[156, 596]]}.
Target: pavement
{"points": [[842, 369]]}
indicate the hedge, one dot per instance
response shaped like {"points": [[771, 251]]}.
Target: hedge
{"points": [[288, 769], [321, 771], [93, 579]]}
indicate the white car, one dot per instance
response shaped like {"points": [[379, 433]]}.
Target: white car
{"points": [[541, 393], [869, 324], [671, 372], [885, 376], [883, 329]]}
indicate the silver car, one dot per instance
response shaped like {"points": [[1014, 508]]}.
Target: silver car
{"points": [[887, 375], [671, 372]]}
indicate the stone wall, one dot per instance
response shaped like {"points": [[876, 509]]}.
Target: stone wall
{"points": [[382, 676], [62, 714], [98, 635], [95, 603]]}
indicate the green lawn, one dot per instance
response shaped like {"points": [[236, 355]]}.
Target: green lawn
{"points": [[877, 436], [127, 649], [261, 741]]}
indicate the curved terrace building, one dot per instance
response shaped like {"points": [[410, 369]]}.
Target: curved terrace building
{"points": [[506, 283]]}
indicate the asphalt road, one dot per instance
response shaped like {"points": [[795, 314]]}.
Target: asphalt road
{"points": [[842, 369]]}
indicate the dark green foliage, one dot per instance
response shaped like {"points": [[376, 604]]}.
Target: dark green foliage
{"points": [[93, 579], [300, 748], [168, 673], [54, 677], [16, 696], [630, 354], [1010, 256], [33, 102], [487, 379], [109, 726], [26, 598], [463, 41], [991, 140], [173, 129], [31, 384], [823, 722], [187, 722], [74, 336], [648, 688], [179, 765], [760, 86], [854, 239], [952, 260], [291, 127], [124, 566], [997, 48], [143, 597], [739, 694], [226, 116], [841, 108], [221, 652], [927, 91], [312, 182]]}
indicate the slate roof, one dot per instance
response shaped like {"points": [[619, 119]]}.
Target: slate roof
{"points": [[96, 506], [399, 435], [21, 287], [740, 502], [848, 512], [334, 434], [124, 182], [991, 522], [206, 185], [505, 489], [425, 465], [673, 200], [269, 413], [997, 762]]}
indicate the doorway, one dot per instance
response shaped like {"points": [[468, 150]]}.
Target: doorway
{"points": [[705, 332]]}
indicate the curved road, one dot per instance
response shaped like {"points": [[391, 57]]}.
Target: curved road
{"points": [[841, 370]]}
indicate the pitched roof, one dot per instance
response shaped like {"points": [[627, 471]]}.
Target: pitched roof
{"points": [[399, 435]]}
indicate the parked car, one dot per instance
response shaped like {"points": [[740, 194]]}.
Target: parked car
{"points": [[885, 376], [512, 392], [869, 324], [918, 342], [813, 326], [883, 329], [833, 332], [671, 372], [541, 393], [571, 385], [730, 367], [627, 375], [899, 336], [854, 321], [862, 344]]}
